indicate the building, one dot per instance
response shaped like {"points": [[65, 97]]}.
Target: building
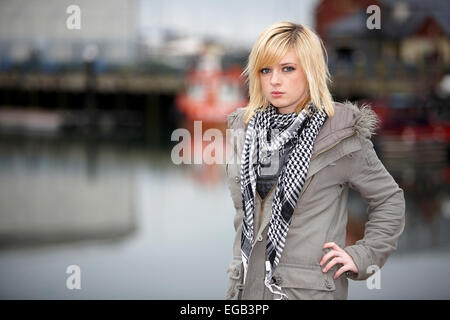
{"points": [[409, 53], [37, 31]]}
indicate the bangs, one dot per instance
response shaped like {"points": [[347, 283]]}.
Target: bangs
{"points": [[272, 51]]}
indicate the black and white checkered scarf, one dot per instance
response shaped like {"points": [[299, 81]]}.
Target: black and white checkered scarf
{"points": [[268, 131]]}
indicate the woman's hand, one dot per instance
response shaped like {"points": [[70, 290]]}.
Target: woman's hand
{"points": [[339, 256]]}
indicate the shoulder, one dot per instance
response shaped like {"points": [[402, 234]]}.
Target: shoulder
{"points": [[348, 118], [236, 118], [347, 114]]}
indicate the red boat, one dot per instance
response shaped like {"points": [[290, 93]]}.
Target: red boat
{"points": [[211, 93]]}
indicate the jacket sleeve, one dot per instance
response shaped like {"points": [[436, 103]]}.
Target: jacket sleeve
{"points": [[233, 182], [386, 211], [235, 269]]}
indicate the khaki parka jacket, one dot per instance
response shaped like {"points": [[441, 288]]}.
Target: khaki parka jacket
{"points": [[343, 157]]}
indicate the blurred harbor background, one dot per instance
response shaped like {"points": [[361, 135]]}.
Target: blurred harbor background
{"points": [[86, 118]]}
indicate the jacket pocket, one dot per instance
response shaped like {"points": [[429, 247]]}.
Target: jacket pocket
{"points": [[302, 282], [235, 274]]}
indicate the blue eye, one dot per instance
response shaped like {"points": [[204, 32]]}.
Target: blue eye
{"points": [[265, 70], [288, 69]]}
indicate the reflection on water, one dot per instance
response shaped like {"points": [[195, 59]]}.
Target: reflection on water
{"points": [[419, 166], [145, 228], [56, 196]]}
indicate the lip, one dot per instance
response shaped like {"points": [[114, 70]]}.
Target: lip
{"points": [[276, 93]]}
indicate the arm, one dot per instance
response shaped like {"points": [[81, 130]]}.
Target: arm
{"points": [[234, 270], [386, 210]]}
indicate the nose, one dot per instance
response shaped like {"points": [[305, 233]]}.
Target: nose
{"points": [[275, 78]]}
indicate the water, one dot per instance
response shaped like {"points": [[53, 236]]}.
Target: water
{"points": [[140, 227], [153, 231]]}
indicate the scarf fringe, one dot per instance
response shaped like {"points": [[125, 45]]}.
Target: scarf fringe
{"points": [[271, 286]]}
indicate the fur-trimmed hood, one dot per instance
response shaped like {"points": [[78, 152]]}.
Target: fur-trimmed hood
{"points": [[366, 121]]}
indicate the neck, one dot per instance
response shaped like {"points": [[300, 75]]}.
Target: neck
{"points": [[298, 109], [283, 111], [303, 104]]}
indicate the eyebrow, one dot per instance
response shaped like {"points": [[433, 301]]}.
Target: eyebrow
{"points": [[284, 64]]}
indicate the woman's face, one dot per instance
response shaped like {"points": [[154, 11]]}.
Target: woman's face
{"points": [[284, 84]]}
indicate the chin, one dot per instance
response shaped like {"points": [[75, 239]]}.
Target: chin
{"points": [[277, 104]]}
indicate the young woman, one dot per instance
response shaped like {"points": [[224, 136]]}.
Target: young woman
{"points": [[299, 154]]}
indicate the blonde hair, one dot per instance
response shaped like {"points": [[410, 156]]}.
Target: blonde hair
{"points": [[271, 46]]}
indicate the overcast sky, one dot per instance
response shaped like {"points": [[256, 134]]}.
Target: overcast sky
{"points": [[239, 21]]}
